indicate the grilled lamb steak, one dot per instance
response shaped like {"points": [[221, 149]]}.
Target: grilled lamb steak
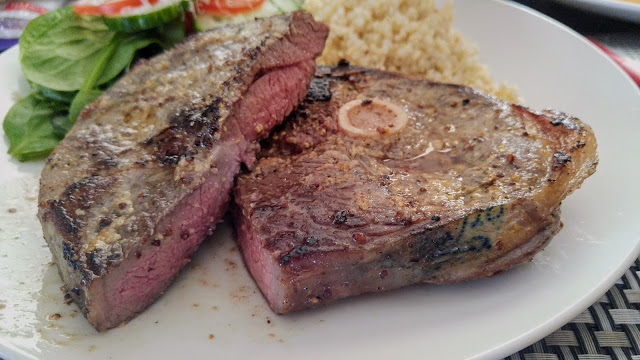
{"points": [[146, 172], [424, 182]]}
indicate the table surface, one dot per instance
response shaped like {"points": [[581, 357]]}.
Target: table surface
{"points": [[610, 328]]}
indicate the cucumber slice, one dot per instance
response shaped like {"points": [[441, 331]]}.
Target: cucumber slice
{"points": [[287, 5], [134, 23]]}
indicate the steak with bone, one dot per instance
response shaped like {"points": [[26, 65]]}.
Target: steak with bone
{"points": [[146, 172], [379, 180]]}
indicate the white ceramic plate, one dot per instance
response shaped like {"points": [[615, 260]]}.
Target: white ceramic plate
{"points": [[214, 310], [620, 9]]}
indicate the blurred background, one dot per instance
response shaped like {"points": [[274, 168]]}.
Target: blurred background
{"points": [[610, 24]]}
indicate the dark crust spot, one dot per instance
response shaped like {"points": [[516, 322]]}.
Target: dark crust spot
{"points": [[253, 52], [311, 240], [68, 210], [319, 90], [99, 260], [340, 217], [69, 254], [189, 130], [560, 159], [294, 253], [343, 62], [104, 222], [94, 263], [559, 118]]}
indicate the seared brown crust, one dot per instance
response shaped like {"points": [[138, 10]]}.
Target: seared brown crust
{"points": [[470, 188], [145, 173]]}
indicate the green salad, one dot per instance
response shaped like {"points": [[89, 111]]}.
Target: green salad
{"points": [[70, 55]]}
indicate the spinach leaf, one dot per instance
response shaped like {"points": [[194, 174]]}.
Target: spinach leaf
{"points": [[69, 59], [171, 33], [29, 127], [109, 63], [61, 96], [124, 55], [81, 100], [59, 48], [61, 125]]}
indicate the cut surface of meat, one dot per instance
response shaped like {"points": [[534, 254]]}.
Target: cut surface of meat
{"points": [[146, 172], [468, 187]]}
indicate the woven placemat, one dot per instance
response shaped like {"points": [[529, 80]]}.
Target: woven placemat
{"points": [[609, 329]]}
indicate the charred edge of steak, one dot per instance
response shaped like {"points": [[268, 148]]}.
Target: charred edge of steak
{"points": [[70, 256], [77, 295], [64, 222], [69, 211], [189, 130], [98, 260], [560, 118]]}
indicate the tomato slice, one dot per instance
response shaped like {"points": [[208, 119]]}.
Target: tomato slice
{"points": [[113, 7], [20, 5], [227, 6]]}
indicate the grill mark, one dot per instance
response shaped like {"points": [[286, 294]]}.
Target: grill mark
{"points": [[189, 130], [62, 220], [68, 211]]}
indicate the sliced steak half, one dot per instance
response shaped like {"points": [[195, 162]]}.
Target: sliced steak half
{"points": [[379, 180], [146, 172]]}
